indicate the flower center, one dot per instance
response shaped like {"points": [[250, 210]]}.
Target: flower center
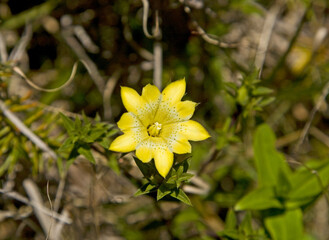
{"points": [[154, 129]]}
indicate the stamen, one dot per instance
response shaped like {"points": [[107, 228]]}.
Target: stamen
{"points": [[154, 129]]}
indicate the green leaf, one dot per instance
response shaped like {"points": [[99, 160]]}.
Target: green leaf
{"points": [[85, 151], [308, 183], [172, 180], [78, 125], [85, 119], [68, 123], [286, 226], [230, 221], [259, 199], [246, 225], [67, 146], [270, 164], [266, 101], [261, 91], [180, 170], [163, 190], [105, 142], [185, 177], [283, 186], [6, 164], [147, 169], [230, 234], [182, 166], [5, 130], [145, 189], [94, 135], [231, 85], [181, 196], [243, 97]]}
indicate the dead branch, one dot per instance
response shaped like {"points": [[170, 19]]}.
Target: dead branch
{"points": [[26, 131]]}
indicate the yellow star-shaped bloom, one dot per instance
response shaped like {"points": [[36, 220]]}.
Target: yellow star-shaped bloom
{"points": [[157, 124]]}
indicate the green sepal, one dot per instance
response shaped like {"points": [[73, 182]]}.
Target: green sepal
{"points": [[181, 196], [145, 189]]}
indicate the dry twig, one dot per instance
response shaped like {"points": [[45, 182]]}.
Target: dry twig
{"points": [[109, 88], [292, 41], [26, 131], [3, 50], [129, 38], [266, 36], [18, 197], [17, 53], [67, 34], [145, 17], [157, 73], [205, 36], [307, 126], [21, 74]]}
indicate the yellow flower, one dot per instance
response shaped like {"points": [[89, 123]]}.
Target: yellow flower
{"points": [[157, 124]]}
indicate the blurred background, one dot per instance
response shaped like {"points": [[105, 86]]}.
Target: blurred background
{"points": [[245, 62]]}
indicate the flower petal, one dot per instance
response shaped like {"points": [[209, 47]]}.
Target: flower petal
{"points": [[151, 94], [132, 100], [129, 140], [163, 157], [177, 112], [174, 91], [194, 131], [163, 161], [136, 104], [185, 110], [175, 139], [181, 146], [123, 143], [128, 120], [164, 113], [155, 147], [144, 151]]}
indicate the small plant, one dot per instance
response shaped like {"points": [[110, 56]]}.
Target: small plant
{"points": [[158, 125]]}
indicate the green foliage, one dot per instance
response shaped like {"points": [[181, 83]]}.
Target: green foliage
{"points": [[81, 136], [286, 226], [244, 230], [170, 186], [271, 165], [308, 182], [226, 135], [279, 188], [250, 96], [16, 148], [260, 199]]}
